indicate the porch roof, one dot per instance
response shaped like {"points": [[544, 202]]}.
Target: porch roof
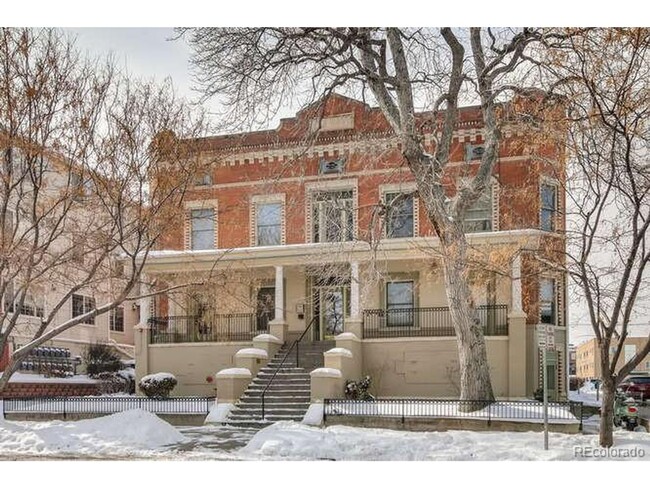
{"points": [[330, 252]]}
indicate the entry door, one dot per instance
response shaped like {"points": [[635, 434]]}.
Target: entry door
{"points": [[332, 311], [265, 307]]}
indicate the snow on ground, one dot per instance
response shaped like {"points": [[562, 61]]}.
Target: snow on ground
{"points": [[137, 434], [124, 433], [39, 378], [586, 394], [290, 440]]}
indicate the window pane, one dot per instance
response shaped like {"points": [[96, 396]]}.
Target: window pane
{"points": [[202, 229], [333, 216], [478, 218], [399, 294], [547, 301], [400, 215], [548, 207], [269, 224]]}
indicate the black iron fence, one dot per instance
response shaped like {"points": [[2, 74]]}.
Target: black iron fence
{"points": [[206, 328], [106, 405], [403, 408], [429, 322]]}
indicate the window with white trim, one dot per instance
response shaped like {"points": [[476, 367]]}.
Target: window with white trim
{"points": [[203, 179], [81, 305], [478, 218], [548, 207], [268, 224], [547, 301], [332, 216], [399, 215], [202, 228]]}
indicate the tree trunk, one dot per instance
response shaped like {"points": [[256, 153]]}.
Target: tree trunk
{"points": [[607, 413], [475, 383]]}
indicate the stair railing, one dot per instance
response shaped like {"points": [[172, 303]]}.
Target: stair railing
{"points": [[295, 344]]}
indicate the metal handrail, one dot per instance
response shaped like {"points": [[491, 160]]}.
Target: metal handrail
{"points": [[295, 343]]}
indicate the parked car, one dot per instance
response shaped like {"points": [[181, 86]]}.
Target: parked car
{"points": [[638, 387]]}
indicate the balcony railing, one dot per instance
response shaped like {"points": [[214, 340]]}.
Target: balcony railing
{"points": [[429, 322], [209, 328]]}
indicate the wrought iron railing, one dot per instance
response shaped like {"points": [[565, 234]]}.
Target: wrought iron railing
{"points": [[405, 408], [207, 328], [429, 322], [107, 405]]}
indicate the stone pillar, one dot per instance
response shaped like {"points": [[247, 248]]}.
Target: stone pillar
{"points": [[268, 343], [341, 359], [517, 365], [232, 383], [352, 343], [278, 326], [252, 359], [326, 383]]}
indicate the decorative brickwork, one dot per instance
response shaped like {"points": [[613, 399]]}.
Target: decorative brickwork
{"points": [[49, 389]]}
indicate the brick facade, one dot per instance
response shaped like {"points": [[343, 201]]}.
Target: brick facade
{"points": [[49, 389]]}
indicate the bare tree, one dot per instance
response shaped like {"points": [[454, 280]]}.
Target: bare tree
{"points": [[91, 169], [604, 75], [254, 71]]}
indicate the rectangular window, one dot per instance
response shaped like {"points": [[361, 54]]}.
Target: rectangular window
{"points": [[629, 351], [202, 224], [117, 319], [333, 216], [548, 207], [400, 302], [547, 297], [82, 304], [203, 179], [399, 218], [269, 224], [478, 218]]}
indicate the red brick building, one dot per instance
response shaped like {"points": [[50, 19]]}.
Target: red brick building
{"points": [[317, 224]]}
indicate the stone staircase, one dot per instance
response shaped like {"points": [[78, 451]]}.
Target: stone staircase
{"points": [[288, 397]]}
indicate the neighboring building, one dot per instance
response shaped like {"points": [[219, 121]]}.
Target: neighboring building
{"points": [[331, 234], [114, 328], [588, 357]]}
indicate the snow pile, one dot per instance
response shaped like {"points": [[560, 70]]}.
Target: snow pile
{"points": [[290, 440], [122, 433], [219, 413], [314, 415]]}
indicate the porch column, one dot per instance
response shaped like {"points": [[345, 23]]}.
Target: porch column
{"points": [[279, 293], [141, 337], [354, 322], [278, 326], [517, 361]]}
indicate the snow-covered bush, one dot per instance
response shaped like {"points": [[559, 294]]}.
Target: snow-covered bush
{"points": [[100, 358], [122, 381], [158, 385]]}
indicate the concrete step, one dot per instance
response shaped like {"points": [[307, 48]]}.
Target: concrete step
{"points": [[279, 393]]}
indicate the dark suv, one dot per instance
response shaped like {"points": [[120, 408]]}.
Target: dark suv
{"points": [[638, 387]]}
